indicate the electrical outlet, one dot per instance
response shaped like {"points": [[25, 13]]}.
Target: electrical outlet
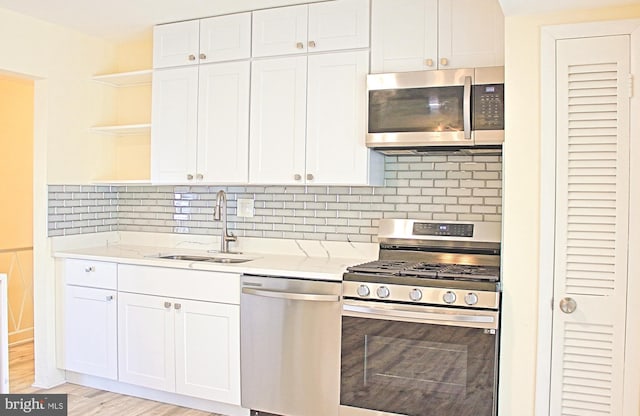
{"points": [[245, 208]]}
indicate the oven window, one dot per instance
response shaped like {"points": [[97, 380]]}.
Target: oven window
{"points": [[448, 377], [417, 369], [434, 109]]}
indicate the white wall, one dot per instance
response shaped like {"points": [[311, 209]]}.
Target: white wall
{"points": [[61, 62], [521, 196]]}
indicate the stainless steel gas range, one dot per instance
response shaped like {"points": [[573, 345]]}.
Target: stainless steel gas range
{"points": [[420, 326]]}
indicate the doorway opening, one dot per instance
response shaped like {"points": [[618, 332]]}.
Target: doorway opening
{"points": [[16, 222]]}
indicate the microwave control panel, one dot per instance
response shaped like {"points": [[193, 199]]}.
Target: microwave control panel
{"points": [[488, 107]]}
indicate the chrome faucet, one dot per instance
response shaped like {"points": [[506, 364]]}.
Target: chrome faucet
{"points": [[221, 205]]}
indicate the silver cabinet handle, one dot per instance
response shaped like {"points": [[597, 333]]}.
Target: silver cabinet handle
{"points": [[444, 61], [90, 269], [109, 298], [299, 45], [290, 295], [189, 177], [466, 108], [429, 62], [177, 306], [297, 177], [192, 57], [167, 305], [568, 305], [199, 176], [203, 56], [312, 44], [309, 176]]}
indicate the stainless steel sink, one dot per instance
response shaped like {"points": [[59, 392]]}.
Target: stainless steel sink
{"points": [[228, 260], [185, 257], [214, 259]]}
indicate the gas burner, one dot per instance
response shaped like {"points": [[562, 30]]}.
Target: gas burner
{"points": [[422, 270], [470, 272], [392, 267]]}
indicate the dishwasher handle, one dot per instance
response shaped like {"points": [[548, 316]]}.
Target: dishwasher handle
{"points": [[290, 295]]}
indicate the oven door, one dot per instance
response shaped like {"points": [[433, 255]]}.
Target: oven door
{"points": [[418, 360]]}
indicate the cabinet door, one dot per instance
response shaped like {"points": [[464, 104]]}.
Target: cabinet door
{"points": [[174, 124], [223, 122], [404, 35], [278, 120], [280, 31], [225, 38], [175, 44], [208, 350], [471, 33], [336, 151], [336, 25], [90, 333], [146, 341]]}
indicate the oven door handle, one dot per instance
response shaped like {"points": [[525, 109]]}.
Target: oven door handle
{"points": [[290, 295], [438, 316]]}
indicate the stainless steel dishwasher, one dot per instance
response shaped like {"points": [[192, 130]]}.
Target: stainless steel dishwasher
{"points": [[290, 346]]}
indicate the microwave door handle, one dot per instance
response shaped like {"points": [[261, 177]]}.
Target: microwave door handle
{"points": [[466, 108]]}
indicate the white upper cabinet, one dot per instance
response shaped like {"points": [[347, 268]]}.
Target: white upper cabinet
{"points": [[278, 100], [216, 39], [174, 124], [200, 113], [404, 35], [335, 25], [335, 148], [223, 122], [200, 119], [280, 31], [471, 33], [307, 121], [413, 35], [176, 44], [225, 38]]}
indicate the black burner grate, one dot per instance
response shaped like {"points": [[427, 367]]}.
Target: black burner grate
{"points": [[429, 270]]}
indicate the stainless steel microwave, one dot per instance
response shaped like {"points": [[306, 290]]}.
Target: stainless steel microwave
{"points": [[423, 111]]}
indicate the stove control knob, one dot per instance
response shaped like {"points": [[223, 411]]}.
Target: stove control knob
{"points": [[471, 298], [415, 295], [449, 297], [363, 291], [383, 292]]}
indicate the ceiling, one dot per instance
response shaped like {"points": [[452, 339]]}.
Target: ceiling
{"points": [[122, 19]]}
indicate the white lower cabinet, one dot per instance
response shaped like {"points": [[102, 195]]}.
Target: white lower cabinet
{"points": [[187, 343], [207, 349], [91, 331], [167, 329], [146, 341], [178, 345], [89, 319]]}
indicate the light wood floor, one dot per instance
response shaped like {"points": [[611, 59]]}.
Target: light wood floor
{"points": [[85, 401]]}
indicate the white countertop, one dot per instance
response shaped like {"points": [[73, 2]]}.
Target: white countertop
{"points": [[306, 267]]}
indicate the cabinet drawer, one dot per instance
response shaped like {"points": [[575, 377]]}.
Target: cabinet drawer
{"points": [[180, 283], [91, 273]]}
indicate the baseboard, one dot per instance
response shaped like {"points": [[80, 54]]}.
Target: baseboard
{"points": [[160, 396]]}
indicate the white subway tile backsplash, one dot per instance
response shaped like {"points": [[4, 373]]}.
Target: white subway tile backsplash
{"points": [[442, 187]]}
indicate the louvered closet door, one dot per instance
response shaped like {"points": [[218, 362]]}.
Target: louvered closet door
{"points": [[592, 193]]}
